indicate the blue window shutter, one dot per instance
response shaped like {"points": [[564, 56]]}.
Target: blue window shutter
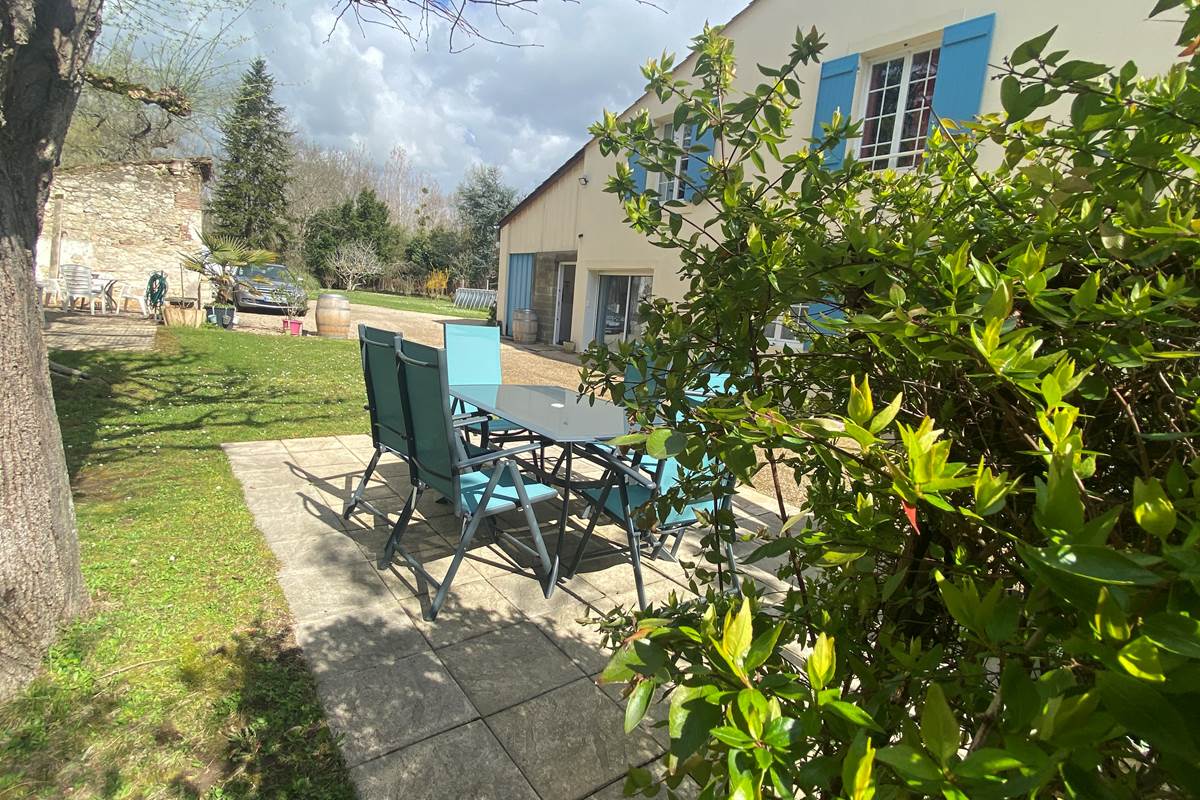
{"points": [[962, 68], [697, 167], [520, 286], [836, 92], [639, 173]]}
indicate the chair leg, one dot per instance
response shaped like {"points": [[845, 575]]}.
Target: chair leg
{"points": [[593, 518], [357, 494], [549, 567], [635, 550], [731, 559], [464, 542], [393, 542]]}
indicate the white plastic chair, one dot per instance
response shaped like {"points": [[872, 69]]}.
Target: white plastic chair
{"points": [[127, 293], [51, 288], [79, 286]]}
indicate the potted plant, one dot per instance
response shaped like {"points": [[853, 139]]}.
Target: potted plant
{"points": [[295, 300], [218, 262]]}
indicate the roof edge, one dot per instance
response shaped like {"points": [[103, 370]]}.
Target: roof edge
{"points": [[543, 186]]}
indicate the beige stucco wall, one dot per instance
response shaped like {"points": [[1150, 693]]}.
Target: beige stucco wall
{"points": [[1099, 30], [127, 220]]}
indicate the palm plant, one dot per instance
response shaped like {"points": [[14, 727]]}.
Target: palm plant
{"points": [[219, 261]]}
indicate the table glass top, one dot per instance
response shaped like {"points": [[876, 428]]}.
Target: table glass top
{"points": [[552, 411]]}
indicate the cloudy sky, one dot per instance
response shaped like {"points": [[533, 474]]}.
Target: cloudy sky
{"points": [[526, 109]]}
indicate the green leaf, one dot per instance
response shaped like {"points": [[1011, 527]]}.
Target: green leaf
{"points": [[1109, 620], [664, 443], [1174, 633], [762, 647], [733, 737], [987, 762], [857, 778], [885, 417], [822, 663], [1027, 51], [738, 632], [1140, 659], [861, 406], [627, 439], [1091, 562], [691, 716], [639, 700], [939, 729], [1145, 711], [851, 713], [909, 762], [1152, 509], [781, 733]]}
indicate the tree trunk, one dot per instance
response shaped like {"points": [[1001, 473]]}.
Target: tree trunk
{"points": [[44, 46]]}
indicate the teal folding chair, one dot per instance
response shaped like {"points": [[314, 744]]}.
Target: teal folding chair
{"points": [[624, 491], [479, 487], [473, 357], [389, 432]]}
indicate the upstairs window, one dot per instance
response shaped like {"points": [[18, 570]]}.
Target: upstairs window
{"points": [[897, 109], [669, 186]]}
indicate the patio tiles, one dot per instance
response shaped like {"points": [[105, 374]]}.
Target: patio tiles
{"points": [[571, 742], [384, 708], [471, 609], [525, 592], [492, 699], [331, 588], [361, 638], [466, 762], [508, 666], [305, 552]]}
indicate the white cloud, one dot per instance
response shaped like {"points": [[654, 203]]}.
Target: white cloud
{"points": [[524, 108]]}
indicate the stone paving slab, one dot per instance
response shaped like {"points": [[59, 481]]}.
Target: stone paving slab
{"points": [[466, 762], [382, 709], [81, 330], [571, 742], [491, 700]]}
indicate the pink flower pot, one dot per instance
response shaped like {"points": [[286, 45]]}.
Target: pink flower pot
{"points": [[293, 326]]}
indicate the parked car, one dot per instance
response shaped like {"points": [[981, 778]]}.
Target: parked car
{"points": [[264, 286]]}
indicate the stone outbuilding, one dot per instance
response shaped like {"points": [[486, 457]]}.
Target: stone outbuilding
{"points": [[126, 219]]}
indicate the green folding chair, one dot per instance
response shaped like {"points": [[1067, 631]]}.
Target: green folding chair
{"points": [[389, 432], [479, 487]]}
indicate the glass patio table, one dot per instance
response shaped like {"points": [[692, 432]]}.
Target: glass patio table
{"points": [[555, 414]]}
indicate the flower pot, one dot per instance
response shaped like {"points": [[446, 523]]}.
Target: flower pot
{"points": [[221, 315], [293, 326], [183, 317]]}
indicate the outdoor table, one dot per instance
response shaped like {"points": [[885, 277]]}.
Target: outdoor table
{"points": [[103, 285], [555, 414]]}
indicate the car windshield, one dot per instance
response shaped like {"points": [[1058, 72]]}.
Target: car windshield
{"points": [[265, 272]]}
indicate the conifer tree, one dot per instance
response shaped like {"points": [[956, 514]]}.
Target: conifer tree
{"points": [[250, 197]]}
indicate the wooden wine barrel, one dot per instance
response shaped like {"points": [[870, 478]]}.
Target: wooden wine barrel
{"points": [[333, 316], [524, 325]]}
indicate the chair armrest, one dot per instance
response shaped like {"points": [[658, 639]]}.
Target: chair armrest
{"points": [[613, 461], [496, 455], [463, 420]]}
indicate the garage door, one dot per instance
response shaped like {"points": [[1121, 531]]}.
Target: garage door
{"points": [[520, 286]]}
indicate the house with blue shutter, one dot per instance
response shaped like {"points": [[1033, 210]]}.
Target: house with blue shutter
{"points": [[566, 252]]}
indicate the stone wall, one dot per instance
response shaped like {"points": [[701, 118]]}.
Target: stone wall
{"points": [[545, 290], [126, 220]]}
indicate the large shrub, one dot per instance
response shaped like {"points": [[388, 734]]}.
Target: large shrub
{"points": [[364, 219], [992, 587]]}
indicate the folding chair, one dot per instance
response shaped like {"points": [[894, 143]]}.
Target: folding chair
{"points": [[385, 404], [479, 487], [625, 491], [473, 357]]}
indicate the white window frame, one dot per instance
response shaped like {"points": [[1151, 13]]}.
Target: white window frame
{"points": [[905, 51], [669, 185], [780, 335]]}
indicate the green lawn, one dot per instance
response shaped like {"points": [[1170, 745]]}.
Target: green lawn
{"points": [[182, 680], [425, 305]]}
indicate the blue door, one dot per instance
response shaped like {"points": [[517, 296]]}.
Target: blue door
{"points": [[520, 286]]}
